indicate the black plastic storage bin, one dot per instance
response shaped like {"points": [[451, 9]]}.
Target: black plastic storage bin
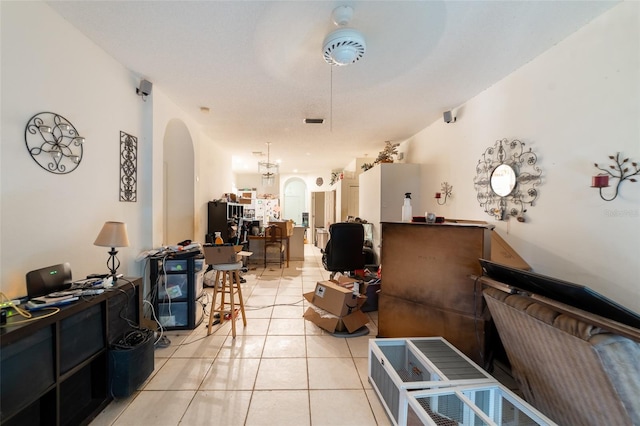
{"points": [[129, 367], [371, 303]]}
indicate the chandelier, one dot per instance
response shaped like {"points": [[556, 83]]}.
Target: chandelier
{"points": [[267, 169]]}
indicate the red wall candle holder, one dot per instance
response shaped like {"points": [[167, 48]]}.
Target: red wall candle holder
{"points": [[622, 170]]}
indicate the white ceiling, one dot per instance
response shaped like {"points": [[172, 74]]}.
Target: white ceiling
{"points": [[258, 65]]}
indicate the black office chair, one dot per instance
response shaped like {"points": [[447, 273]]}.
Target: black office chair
{"points": [[273, 239], [343, 252]]}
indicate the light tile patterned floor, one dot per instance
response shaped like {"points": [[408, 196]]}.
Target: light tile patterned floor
{"points": [[280, 369]]}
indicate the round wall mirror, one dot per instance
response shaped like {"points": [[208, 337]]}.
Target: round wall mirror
{"points": [[503, 180], [506, 179]]}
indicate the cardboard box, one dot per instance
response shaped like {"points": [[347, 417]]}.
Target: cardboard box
{"points": [[215, 255], [370, 290], [335, 308], [286, 226], [334, 299], [332, 323], [348, 282]]}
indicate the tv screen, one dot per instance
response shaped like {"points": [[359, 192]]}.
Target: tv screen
{"points": [[571, 294]]}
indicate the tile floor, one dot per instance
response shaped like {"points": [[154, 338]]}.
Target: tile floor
{"points": [[280, 369]]}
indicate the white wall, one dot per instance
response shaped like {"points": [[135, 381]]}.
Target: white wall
{"points": [[574, 105], [46, 218], [47, 65]]}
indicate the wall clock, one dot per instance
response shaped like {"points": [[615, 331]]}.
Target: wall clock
{"points": [[53, 143]]}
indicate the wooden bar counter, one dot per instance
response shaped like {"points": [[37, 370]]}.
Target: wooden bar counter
{"points": [[427, 289]]}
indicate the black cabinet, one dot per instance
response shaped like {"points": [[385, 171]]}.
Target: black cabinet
{"points": [[55, 369], [219, 214], [178, 283]]}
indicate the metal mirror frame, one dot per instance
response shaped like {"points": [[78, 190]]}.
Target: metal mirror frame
{"points": [[527, 178]]}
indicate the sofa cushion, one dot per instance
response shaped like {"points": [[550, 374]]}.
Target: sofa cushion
{"points": [[573, 372], [621, 359], [576, 327]]}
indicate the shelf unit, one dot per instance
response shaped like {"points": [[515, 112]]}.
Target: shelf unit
{"points": [[218, 215], [55, 370], [179, 285]]}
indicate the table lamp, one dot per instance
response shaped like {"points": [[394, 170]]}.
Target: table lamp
{"points": [[113, 234]]}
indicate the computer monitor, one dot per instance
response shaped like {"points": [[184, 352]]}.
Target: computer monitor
{"points": [[47, 280], [571, 294]]}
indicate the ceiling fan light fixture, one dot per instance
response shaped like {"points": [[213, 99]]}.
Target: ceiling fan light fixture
{"points": [[344, 46]]}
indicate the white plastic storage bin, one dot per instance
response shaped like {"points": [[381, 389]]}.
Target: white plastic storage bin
{"points": [[176, 286], [198, 264], [396, 365], [175, 265], [180, 265], [490, 404], [199, 283], [173, 314]]}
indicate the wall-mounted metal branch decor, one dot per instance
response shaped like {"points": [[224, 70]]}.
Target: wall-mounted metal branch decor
{"points": [[620, 170], [446, 190], [53, 143], [128, 167], [506, 179]]}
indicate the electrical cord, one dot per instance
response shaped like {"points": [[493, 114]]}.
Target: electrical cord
{"points": [[19, 310], [257, 308], [54, 310], [162, 340], [253, 308], [132, 339]]}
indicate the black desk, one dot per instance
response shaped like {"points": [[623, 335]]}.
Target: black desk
{"points": [[54, 370]]}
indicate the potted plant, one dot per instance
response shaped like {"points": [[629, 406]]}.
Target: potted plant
{"points": [[386, 155], [366, 166], [335, 176]]}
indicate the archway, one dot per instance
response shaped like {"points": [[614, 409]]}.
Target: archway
{"points": [[178, 188], [295, 199]]}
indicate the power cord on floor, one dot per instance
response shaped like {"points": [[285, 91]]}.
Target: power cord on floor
{"points": [[132, 339], [162, 341]]}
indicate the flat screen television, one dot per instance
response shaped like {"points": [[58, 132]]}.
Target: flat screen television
{"points": [[578, 296]]}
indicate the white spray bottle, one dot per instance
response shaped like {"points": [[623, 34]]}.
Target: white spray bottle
{"points": [[407, 213]]}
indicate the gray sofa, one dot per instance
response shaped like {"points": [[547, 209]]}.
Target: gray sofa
{"points": [[566, 363]]}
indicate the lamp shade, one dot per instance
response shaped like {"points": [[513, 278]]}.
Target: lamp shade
{"points": [[113, 234]]}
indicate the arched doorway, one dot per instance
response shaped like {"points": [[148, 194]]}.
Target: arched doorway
{"points": [[178, 186], [295, 200]]}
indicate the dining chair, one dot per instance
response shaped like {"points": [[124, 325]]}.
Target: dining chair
{"points": [[274, 240]]}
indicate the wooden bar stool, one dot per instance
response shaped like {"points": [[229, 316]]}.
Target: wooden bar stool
{"points": [[227, 281]]}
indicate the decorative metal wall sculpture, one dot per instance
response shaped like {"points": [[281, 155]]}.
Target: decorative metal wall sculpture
{"points": [[446, 190], [620, 170], [128, 167], [506, 179], [53, 143]]}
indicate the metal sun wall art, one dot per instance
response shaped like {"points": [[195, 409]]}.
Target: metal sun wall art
{"points": [[506, 179], [128, 167], [54, 143]]}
